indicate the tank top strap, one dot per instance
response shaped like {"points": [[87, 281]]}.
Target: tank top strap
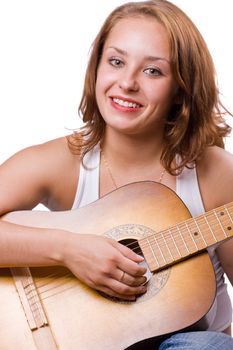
{"points": [[187, 188], [88, 184]]}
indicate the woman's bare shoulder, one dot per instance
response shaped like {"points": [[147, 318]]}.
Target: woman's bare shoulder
{"points": [[41, 149], [46, 173], [215, 174], [39, 158]]}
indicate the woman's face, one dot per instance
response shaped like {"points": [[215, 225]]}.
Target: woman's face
{"points": [[135, 88]]}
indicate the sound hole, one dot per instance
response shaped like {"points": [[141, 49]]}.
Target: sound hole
{"points": [[132, 244], [128, 235]]}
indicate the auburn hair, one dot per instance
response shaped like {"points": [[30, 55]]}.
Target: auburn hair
{"points": [[197, 121]]}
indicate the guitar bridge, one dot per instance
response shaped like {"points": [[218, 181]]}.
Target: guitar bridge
{"points": [[29, 297]]}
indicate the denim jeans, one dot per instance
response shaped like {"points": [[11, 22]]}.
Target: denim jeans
{"points": [[198, 341]]}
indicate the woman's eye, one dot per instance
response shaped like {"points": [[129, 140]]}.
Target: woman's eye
{"points": [[116, 62], [153, 71]]}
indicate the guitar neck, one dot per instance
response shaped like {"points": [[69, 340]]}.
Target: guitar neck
{"points": [[187, 238]]}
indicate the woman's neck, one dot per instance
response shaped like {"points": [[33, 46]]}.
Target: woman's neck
{"points": [[130, 149], [128, 159]]}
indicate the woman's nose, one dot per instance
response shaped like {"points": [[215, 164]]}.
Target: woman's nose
{"points": [[128, 82]]}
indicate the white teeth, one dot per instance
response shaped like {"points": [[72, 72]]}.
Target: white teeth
{"points": [[125, 103]]}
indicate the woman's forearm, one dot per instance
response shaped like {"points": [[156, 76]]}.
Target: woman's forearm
{"points": [[30, 246]]}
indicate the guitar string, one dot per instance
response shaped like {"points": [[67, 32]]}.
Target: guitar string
{"points": [[107, 166], [197, 223], [56, 290], [58, 285], [162, 235], [212, 215], [166, 233], [44, 294]]}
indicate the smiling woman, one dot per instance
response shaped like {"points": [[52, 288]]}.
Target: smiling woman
{"points": [[135, 76], [151, 112]]}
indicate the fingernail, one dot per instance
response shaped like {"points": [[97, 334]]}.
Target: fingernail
{"points": [[141, 257]]}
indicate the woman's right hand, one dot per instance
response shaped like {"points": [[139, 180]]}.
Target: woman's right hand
{"points": [[105, 265]]}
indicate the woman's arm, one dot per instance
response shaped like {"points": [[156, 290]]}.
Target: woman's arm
{"points": [[215, 172], [48, 174]]}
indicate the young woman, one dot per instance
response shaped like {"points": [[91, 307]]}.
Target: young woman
{"points": [[152, 112]]}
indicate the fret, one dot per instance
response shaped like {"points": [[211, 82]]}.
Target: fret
{"points": [[191, 235], [167, 247], [226, 224], [182, 238], [199, 230], [178, 238], [194, 229], [228, 214], [157, 252], [153, 254], [220, 223], [210, 229], [188, 237], [161, 253], [171, 235]]}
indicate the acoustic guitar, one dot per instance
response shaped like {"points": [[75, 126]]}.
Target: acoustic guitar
{"points": [[47, 308]]}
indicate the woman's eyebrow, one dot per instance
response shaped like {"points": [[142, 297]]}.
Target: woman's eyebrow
{"points": [[148, 58]]}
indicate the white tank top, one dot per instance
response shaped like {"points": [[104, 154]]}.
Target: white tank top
{"points": [[187, 188]]}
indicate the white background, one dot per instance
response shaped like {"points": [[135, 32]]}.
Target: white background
{"points": [[44, 47]]}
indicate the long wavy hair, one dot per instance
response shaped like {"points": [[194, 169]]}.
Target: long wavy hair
{"points": [[193, 124]]}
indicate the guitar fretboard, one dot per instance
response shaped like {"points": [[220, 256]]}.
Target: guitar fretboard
{"points": [[187, 238]]}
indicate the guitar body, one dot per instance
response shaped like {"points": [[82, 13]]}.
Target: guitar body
{"points": [[81, 318]]}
